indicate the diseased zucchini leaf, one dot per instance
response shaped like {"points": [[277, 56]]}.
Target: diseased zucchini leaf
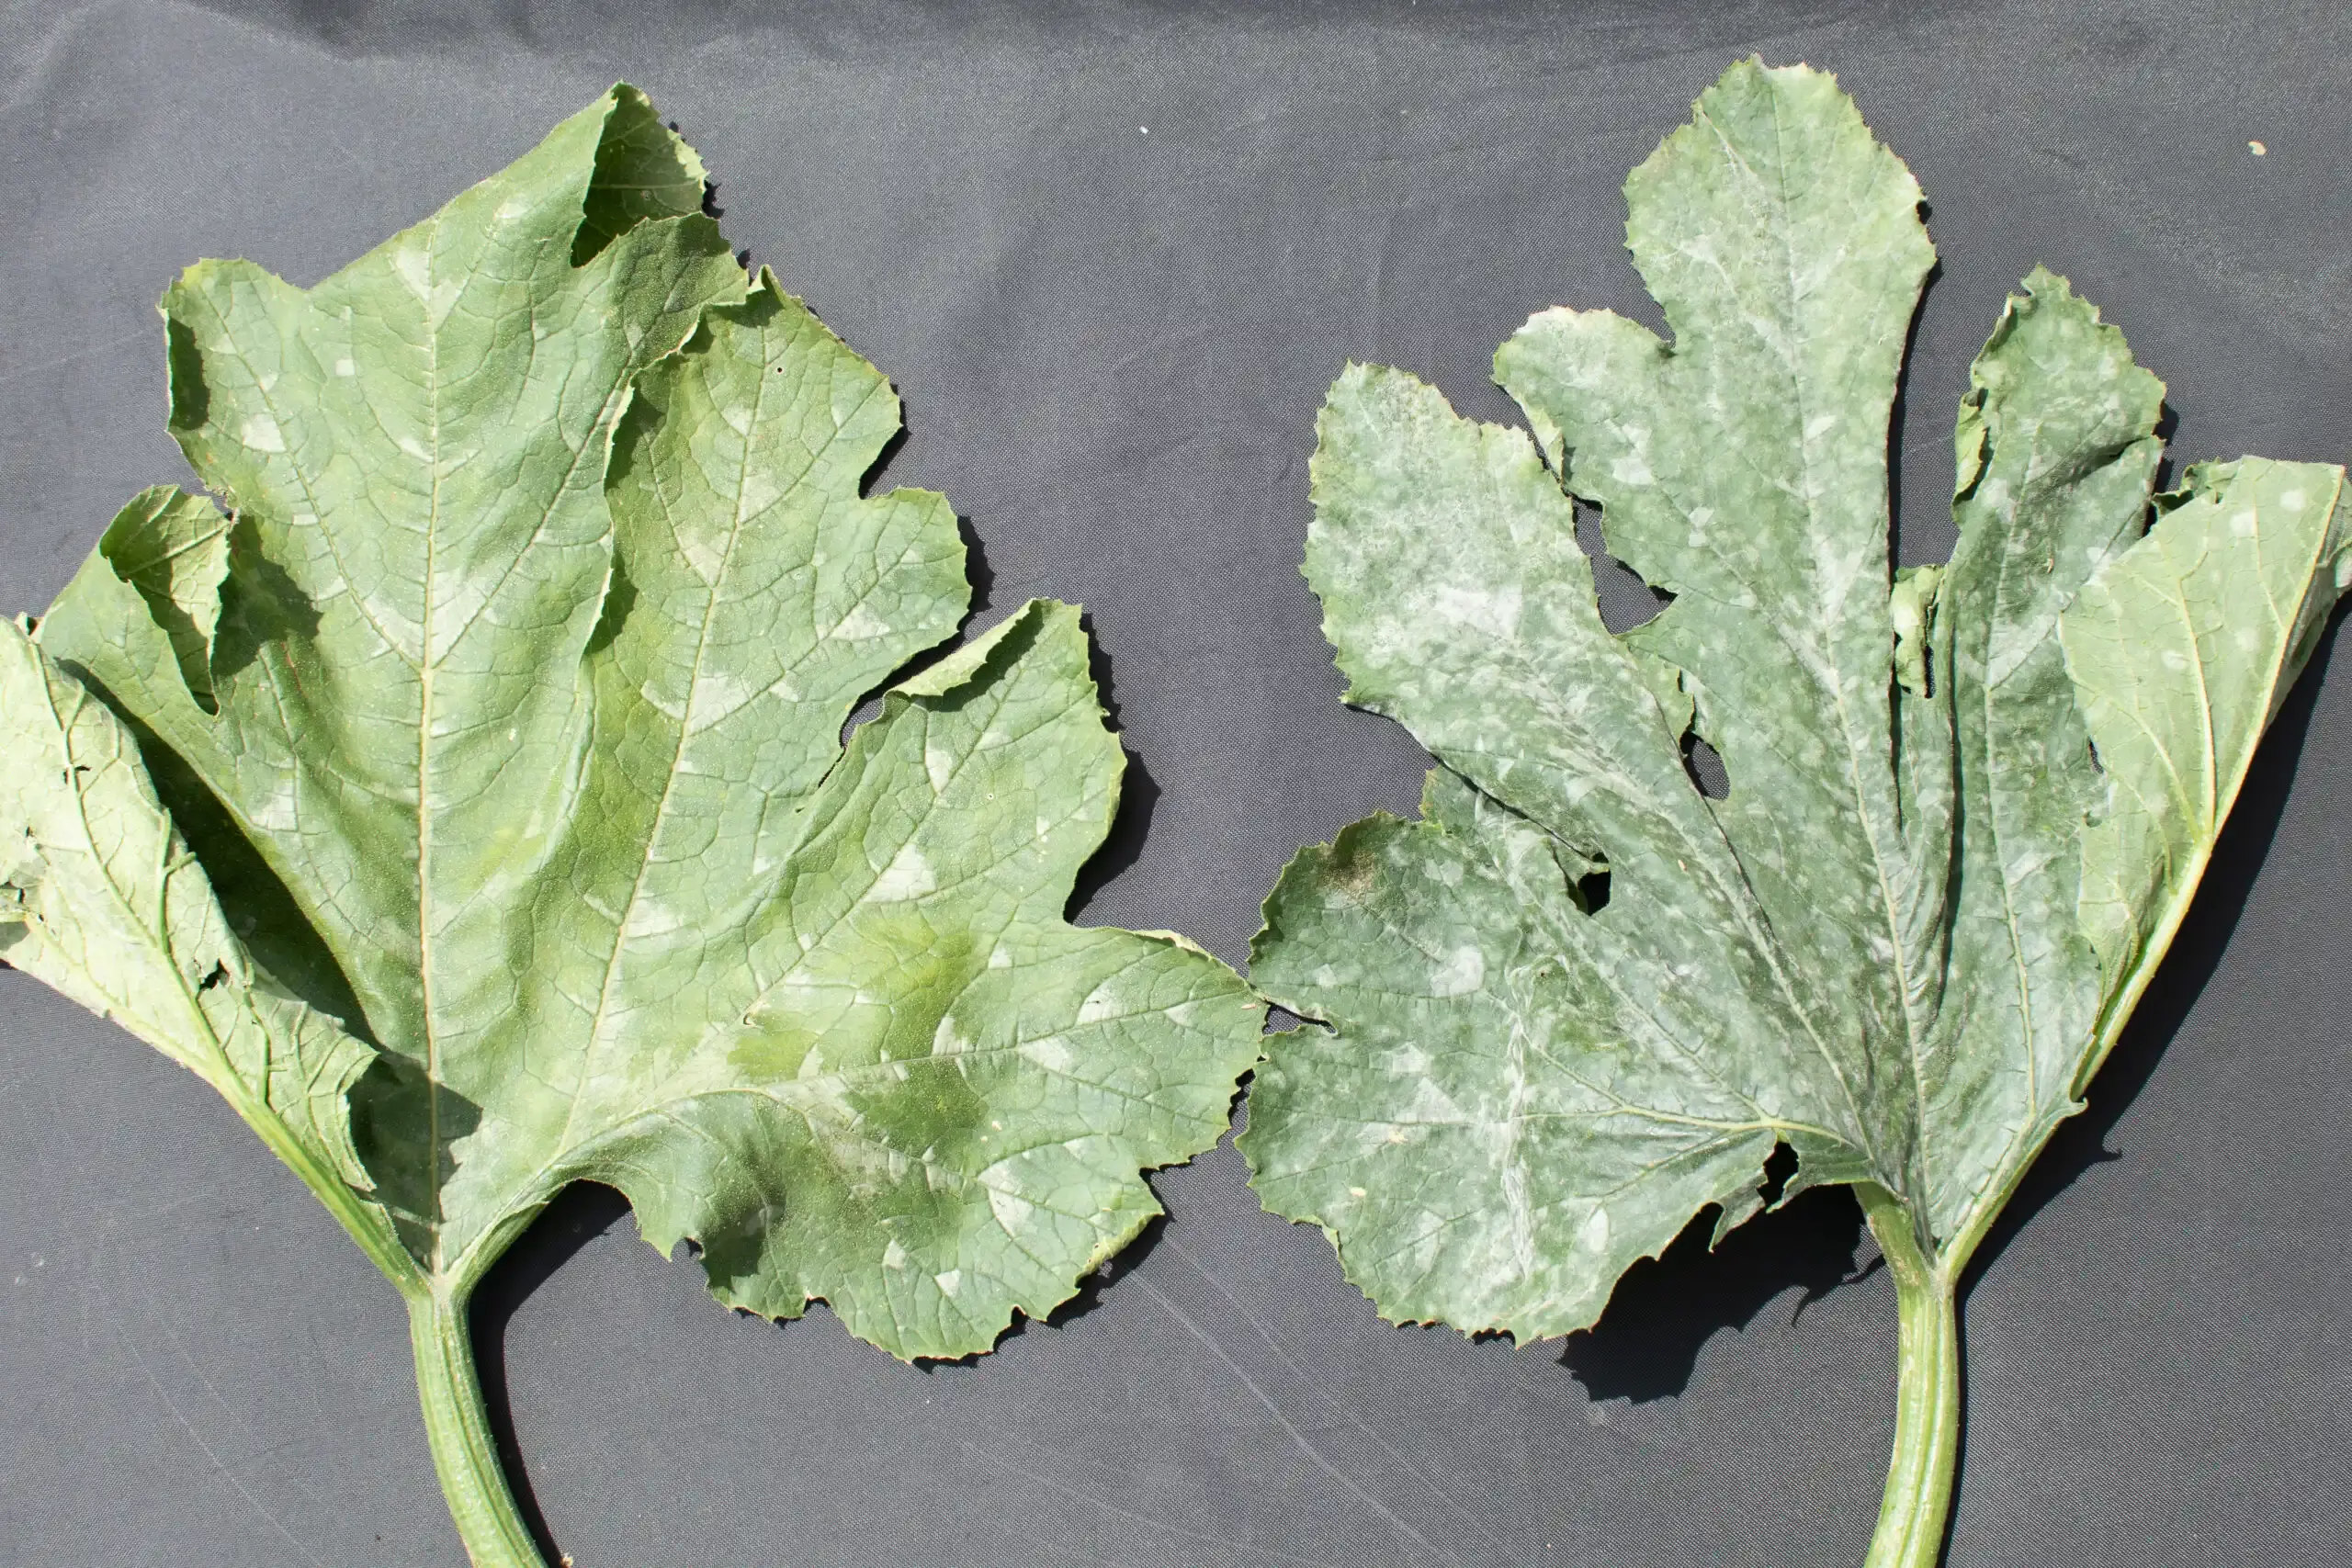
{"points": [[514, 696], [1968, 804]]}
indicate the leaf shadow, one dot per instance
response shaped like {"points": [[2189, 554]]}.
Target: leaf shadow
{"points": [[2080, 1142], [1898, 415], [2168, 425], [1091, 1287], [976, 558], [1123, 844], [261, 605], [1666, 1309], [578, 1216], [976, 573]]}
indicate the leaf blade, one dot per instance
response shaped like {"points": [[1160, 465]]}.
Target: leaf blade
{"points": [[953, 1089], [1743, 469], [629, 701], [1461, 605], [2229, 592], [2058, 462], [101, 899], [1918, 850]]}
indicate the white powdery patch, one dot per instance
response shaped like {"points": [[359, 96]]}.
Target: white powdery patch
{"points": [[706, 551], [280, 810], [650, 917], [1051, 1052], [1463, 972], [760, 492], [1495, 612], [939, 762], [861, 624], [665, 702], [716, 696], [1429, 1106], [413, 265], [908, 876], [1408, 1062], [1013, 1211], [261, 433], [1593, 1234]]}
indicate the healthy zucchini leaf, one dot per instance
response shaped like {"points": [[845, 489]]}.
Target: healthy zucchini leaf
{"points": [[506, 719], [1578, 1002]]}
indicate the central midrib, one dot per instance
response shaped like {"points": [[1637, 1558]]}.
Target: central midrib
{"points": [[606, 419], [677, 755], [427, 661], [1871, 829]]}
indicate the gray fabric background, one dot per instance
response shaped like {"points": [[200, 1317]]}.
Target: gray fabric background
{"points": [[1112, 256]]}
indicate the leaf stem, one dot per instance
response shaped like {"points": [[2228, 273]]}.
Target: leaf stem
{"points": [[456, 1425], [1914, 1512]]}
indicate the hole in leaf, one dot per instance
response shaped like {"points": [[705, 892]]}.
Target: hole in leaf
{"points": [[1626, 600], [1934, 532], [2167, 424], [1705, 767], [1592, 890], [1777, 1171], [620, 597]]}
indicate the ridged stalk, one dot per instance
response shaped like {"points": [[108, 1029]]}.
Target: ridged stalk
{"points": [[457, 1424], [1916, 1508]]}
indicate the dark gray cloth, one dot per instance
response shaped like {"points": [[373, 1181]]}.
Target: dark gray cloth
{"points": [[1112, 256]]}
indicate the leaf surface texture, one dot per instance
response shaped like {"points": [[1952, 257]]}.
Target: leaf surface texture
{"points": [[509, 708], [1968, 804]]}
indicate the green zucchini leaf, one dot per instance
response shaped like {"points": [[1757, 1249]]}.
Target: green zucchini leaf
{"points": [[507, 717]]}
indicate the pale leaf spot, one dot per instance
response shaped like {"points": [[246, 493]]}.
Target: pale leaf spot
{"points": [[908, 876], [1461, 973]]}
